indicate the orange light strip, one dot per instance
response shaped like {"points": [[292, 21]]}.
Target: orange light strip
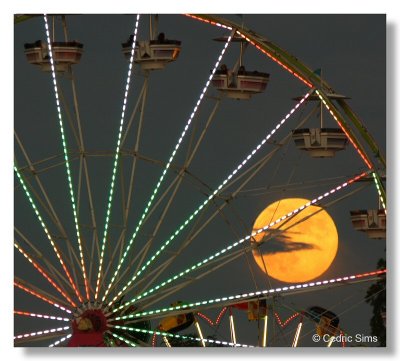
{"points": [[273, 58], [38, 295], [366, 161], [45, 275]]}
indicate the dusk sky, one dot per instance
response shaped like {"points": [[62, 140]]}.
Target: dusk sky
{"points": [[349, 50]]}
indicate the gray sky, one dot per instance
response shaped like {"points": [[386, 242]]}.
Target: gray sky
{"points": [[350, 50]]}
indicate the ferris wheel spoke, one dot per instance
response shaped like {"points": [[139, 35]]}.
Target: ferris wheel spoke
{"points": [[64, 145], [215, 192], [161, 268], [83, 171], [50, 238], [83, 160], [38, 335], [50, 267], [127, 204], [123, 339], [41, 294], [134, 162], [172, 156], [169, 261], [44, 274], [292, 186], [138, 103], [180, 178], [145, 248], [69, 116], [39, 315], [117, 153], [61, 340], [50, 209]]}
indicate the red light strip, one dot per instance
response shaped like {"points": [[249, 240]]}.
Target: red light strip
{"points": [[154, 339], [273, 58], [366, 161], [203, 316], [220, 315], [218, 319], [284, 324], [38, 295], [38, 315], [45, 275]]}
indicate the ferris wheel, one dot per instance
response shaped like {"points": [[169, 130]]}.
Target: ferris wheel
{"points": [[176, 218]]}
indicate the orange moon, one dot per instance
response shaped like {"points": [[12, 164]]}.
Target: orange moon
{"points": [[299, 249]]}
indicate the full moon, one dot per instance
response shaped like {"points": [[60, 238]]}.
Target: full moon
{"points": [[299, 249]]}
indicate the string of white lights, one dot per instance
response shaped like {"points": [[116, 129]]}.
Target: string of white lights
{"points": [[114, 172], [244, 296], [65, 150], [155, 191], [123, 339], [60, 340], [39, 333]]}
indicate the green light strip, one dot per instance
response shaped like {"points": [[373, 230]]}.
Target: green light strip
{"points": [[64, 145], [247, 238], [181, 337], [215, 192], [123, 339], [378, 188], [39, 217], [114, 172], [155, 191]]}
